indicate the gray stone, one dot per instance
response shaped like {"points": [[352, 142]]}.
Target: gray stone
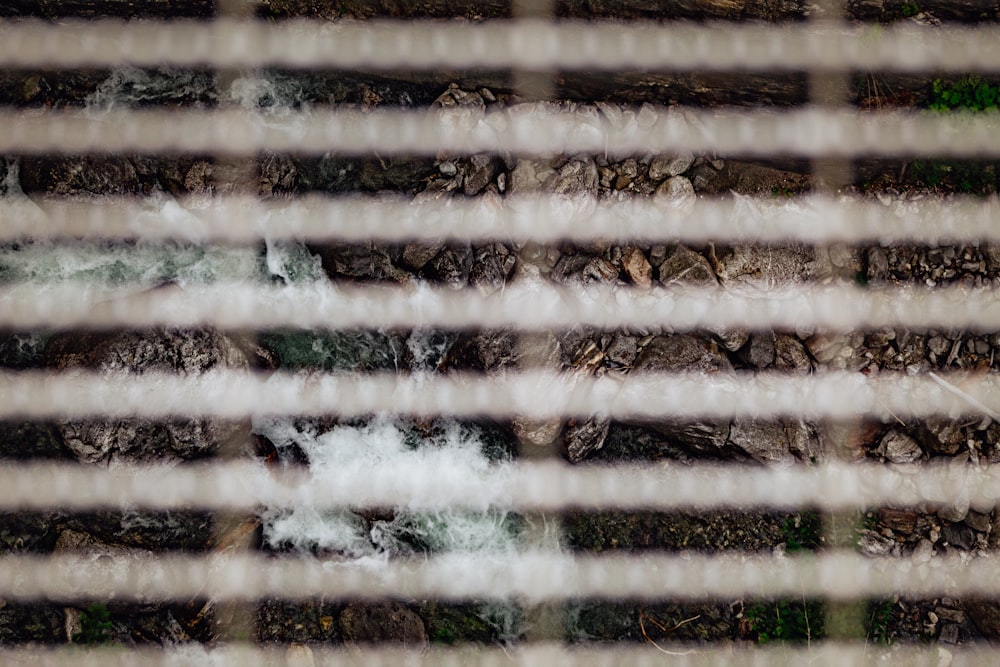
{"points": [[492, 266], [663, 166], [684, 266], [767, 266], [416, 255], [482, 169], [877, 271], [622, 351], [733, 339], [188, 352], [451, 266], [760, 352], [578, 176], [898, 447], [536, 432], [791, 356], [959, 535], [774, 441], [529, 176], [676, 192], [681, 352]]}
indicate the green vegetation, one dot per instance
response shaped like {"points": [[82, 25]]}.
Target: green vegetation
{"points": [[95, 625], [786, 621], [970, 93], [909, 9], [879, 616], [802, 532]]}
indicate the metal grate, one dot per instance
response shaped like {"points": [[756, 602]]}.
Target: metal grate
{"points": [[820, 132]]}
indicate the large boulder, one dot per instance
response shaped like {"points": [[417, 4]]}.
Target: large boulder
{"points": [[139, 440]]}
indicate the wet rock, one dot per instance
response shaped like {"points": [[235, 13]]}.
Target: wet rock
{"points": [[359, 261], [676, 192], [637, 268], [583, 439], [766, 266], [31, 440], [136, 440], [701, 438], [382, 622], [536, 432], [22, 623], [488, 351], [959, 535], [774, 442], [681, 352], [306, 621], [684, 266], [69, 175], [663, 166], [898, 447]]}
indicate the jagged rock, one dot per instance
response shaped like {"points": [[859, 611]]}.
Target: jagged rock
{"points": [[529, 175], [790, 355], [733, 339], [681, 352], [359, 261], [898, 447], [488, 351], [583, 439], [985, 615], [137, 440], [774, 442], [622, 351], [451, 266], [300, 621], [492, 266], [684, 266], [577, 177], [637, 268], [703, 438], [482, 168], [416, 255], [381, 622], [583, 269], [942, 436]]}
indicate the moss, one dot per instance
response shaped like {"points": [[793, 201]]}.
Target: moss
{"points": [[455, 624]]}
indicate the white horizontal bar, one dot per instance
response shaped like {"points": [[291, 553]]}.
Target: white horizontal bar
{"points": [[524, 129], [523, 487], [501, 44], [534, 655], [531, 577], [230, 394], [528, 306], [817, 654], [542, 219]]}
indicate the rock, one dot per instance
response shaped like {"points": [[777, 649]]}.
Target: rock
{"points": [[599, 270], [942, 436], [482, 169], [622, 351], [577, 177], [766, 266], [359, 261], [901, 521], [959, 535], [637, 268], [985, 615], [455, 97], [451, 266], [583, 439], [733, 339], [876, 266], [760, 352], [584, 269], [529, 175], [535, 432], [898, 447], [136, 440], [301, 621], [702, 438], [488, 351], [662, 167], [381, 622], [685, 267], [874, 545], [791, 356], [416, 255], [774, 442], [492, 266], [676, 192], [681, 352]]}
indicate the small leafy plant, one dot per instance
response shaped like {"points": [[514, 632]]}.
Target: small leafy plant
{"points": [[970, 93], [95, 625], [802, 532], [880, 615], [786, 621]]}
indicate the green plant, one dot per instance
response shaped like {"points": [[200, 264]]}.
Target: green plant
{"points": [[970, 93], [909, 9], [95, 625], [802, 532], [879, 616], [786, 621]]}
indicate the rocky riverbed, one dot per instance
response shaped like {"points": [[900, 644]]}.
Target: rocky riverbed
{"points": [[673, 181]]}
